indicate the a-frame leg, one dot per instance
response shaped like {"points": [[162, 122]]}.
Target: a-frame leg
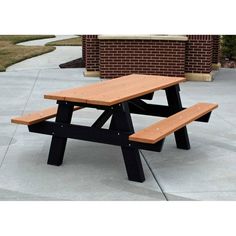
{"points": [[174, 102], [121, 121], [58, 144]]}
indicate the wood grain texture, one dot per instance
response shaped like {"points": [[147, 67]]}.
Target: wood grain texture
{"points": [[161, 129], [117, 90], [36, 117]]}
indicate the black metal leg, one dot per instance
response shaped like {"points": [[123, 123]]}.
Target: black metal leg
{"points": [[58, 144], [121, 121], [133, 164], [174, 102]]}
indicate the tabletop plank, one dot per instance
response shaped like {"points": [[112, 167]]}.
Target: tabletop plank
{"points": [[117, 90]]}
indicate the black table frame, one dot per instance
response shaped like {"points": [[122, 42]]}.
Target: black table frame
{"points": [[120, 128]]}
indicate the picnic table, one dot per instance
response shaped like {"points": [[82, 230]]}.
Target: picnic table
{"points": [[118, 98]]}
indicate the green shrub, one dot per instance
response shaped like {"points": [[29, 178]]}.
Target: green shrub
{"points": [[229, 46]]}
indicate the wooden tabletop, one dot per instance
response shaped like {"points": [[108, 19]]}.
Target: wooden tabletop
{"points": [[114, 91]]}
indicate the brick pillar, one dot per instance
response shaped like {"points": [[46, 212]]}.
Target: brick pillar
{"points": [[216, 49], [91, 53], [199, 54], [84, 47]]}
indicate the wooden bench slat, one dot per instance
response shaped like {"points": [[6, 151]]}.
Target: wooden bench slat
{"points": [[117, 90], [36, 117], [161, 129]]}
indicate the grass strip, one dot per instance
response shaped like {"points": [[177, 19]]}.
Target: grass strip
{"points": [[10, 53], [66, 42]]}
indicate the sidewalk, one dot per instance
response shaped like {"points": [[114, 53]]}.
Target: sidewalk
{"points": [[94, 171], [50, 60]]}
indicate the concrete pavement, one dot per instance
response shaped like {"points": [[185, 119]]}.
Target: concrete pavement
{"points": [[42, 42], [94, 171], [50, 60]]}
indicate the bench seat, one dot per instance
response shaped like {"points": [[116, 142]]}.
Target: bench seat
{"points": [[36, 117], [163, 128]]}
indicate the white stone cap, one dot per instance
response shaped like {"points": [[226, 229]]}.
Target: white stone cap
{"points": [[145, 37]]}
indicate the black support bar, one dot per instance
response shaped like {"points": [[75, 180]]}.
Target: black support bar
{"points": [[91, 134], [148, 96], [141, 108], [102, 119], [137, 106]]}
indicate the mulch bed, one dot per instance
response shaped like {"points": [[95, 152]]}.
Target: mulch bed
{"points": [[77, 63], [226, 63]]}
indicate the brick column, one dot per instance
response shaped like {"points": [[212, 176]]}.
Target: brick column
{"points": [[91, 54], [216, 52], [84, 47], [199, 53]]}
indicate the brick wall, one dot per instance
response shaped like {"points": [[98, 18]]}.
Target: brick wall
{"points": [[114, 58], [216, 49], [84, 47], [199, 54], [91, 53], [123, 57]]}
